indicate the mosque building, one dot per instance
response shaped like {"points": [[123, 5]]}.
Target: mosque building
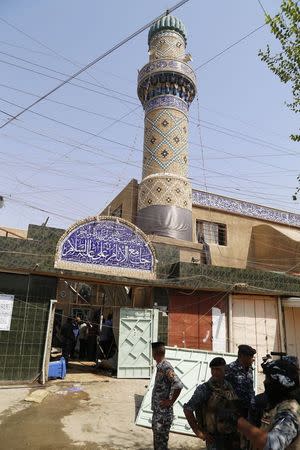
{"points": [[211, 271]]}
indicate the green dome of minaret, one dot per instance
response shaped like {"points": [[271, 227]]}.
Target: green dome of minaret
{"points": [[167, 23]]}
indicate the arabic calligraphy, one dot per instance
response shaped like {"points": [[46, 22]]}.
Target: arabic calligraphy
{"points": [[107, 243]]}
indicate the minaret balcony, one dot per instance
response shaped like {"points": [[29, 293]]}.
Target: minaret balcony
{"points": [[167, 65]]}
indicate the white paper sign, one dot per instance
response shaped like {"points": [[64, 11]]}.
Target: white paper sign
{"points": [[218, 330], [6, 309]]}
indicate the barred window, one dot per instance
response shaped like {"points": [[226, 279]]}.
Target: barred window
{"points": [[211, 232]]}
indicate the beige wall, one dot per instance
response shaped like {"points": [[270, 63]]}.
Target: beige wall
{"points": [[239, 238], [127, 198], [13, 233], [274, 248], [247, 246]]}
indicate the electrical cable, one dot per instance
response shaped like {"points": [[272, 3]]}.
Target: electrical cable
{"points": [[230, 46], [95, 61]]}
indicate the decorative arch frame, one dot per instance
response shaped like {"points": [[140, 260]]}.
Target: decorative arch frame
{"points": [[107, 245]]}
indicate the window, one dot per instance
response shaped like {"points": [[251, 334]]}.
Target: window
{"points": [[117, 212], [211, 232]]}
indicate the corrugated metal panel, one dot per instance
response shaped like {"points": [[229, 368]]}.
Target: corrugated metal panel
{"points": [[138, 328], [255, 322], [292, 330], [190, 319], [192, 367]]}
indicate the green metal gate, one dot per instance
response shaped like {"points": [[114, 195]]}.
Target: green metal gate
{"points": [[138, 328]]}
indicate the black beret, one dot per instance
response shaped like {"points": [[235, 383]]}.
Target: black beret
{"points": [[157, 344], [217, 362], [246, 350]]}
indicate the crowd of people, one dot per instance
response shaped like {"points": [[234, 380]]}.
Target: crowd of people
{"points": [[224, 411], [87, 340]]}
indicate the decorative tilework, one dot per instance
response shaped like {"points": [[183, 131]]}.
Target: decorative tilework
{"points": [[166, 65], [106, 245], [241, 207], [167, 45], [165, 142], [166, 88], [166, 101], [165, 190]]}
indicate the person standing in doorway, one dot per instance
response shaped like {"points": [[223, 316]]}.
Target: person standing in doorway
{"points": [[68, 339], [83, 339], [106, 338], [167, 387]]}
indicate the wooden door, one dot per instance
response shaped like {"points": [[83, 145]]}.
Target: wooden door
{"points": [[190, 319]]}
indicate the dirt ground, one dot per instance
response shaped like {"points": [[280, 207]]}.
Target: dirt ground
{"points": [[84, 411]]}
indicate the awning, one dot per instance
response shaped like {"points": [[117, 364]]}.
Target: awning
{"points": [[291, 302]]}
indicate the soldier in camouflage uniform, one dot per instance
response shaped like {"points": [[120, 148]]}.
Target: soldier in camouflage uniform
{"points": [[167, 387], [205, 403], [240, 375], [280, 427]]}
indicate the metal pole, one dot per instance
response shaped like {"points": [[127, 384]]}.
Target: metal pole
{"points": [[230, 325], [47, 346], [281, 326]]}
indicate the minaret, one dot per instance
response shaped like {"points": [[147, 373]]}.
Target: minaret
{"points": [[166, 88]]}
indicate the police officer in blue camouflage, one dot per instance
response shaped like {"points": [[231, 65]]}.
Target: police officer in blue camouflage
{"points": [[239, 374], [167, 387], [201, 411], [280, 424]]}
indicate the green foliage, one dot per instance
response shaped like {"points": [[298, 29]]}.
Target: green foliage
{"points": [[285, 26]]}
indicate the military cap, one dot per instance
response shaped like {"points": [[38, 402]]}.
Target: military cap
{"points": [[217, 362], [157, 344], [246, 350]]}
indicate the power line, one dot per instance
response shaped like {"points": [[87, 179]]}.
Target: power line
{"points": [[262, 7], [97, 135], [95, 61], [230, 46], [6, 113], [228, 131], [71, 83], [58, 72], [237, 134], [127, 146]]}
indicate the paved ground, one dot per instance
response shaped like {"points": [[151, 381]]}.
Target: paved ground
{"points": [[85, 411]]}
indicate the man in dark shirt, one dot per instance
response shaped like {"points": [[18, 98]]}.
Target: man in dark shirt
{"points": [[68, 339]]}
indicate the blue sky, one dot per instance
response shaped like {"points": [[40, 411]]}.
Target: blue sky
{"points": [[241, 149]]}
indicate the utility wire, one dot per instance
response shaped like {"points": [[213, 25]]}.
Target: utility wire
{"points": [[230, 46], [6, 113], [95, 61], [50, 69], [123, 145], [262, 7]]}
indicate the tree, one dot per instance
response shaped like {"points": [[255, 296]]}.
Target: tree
{"points": [[285, 26]]}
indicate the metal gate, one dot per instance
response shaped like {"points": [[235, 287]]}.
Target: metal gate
{"points": [[192, 367], [138, 328]]}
